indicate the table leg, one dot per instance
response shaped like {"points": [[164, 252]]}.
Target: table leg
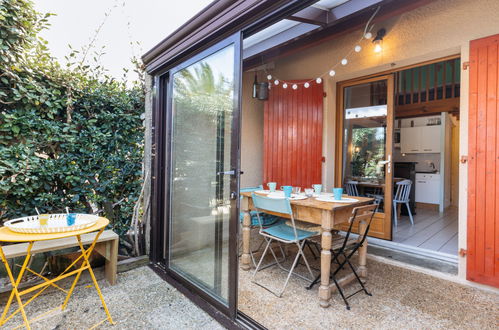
{"points": [[15, 284], [326, 241], [362, 270], [245, 257], [96, 285]]}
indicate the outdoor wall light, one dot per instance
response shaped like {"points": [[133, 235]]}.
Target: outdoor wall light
{"points": [[261, 89], [378, 41]]}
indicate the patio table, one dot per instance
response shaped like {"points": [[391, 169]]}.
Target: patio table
{"points": [[7, 235], [325, 214]]}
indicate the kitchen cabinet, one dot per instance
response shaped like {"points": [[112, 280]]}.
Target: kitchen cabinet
{"points": [[422, 139], [428, 188]]}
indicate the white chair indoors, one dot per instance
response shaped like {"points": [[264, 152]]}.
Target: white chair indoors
{"points": [[281, 233], [351, 188], [402, 197]]}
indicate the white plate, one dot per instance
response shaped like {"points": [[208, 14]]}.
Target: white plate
{"points": [[332, 200], [322, 195], [262, 192], [280, 195]]}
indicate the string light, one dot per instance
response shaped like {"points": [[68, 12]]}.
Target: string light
{"points": [[366, 35]]}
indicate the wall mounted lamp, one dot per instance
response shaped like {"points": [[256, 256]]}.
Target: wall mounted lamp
{"points": [[378, 40]]}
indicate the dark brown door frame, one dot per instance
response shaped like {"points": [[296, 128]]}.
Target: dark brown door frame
{"points": [[163, 116]]}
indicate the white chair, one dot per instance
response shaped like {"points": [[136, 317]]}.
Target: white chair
{"points": [[351, 188], [402, 197]]}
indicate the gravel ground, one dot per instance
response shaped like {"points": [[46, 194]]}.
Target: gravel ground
{"points": [[140, 300], [401, 299]]}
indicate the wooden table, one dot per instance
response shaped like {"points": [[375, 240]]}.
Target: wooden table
{"points": [[6, 235], [325, 214]]}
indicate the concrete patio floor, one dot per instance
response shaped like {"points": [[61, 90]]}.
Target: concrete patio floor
{"points": [[140, 300], [401, 299]]}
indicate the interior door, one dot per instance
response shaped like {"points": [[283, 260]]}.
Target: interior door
{"points": [[365, 139], [202, 216]]}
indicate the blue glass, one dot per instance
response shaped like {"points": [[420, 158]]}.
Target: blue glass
{"points": [[337, 192], [287, 190], [71, 219]]}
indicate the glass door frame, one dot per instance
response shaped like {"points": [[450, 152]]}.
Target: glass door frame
{"points": [[390, 119], [165, 91]]}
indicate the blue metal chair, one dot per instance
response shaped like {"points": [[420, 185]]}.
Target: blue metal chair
{"points": [[267, 219], [281, 233]]}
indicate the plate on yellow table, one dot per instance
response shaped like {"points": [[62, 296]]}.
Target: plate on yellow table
{"points": [[56, 223]]}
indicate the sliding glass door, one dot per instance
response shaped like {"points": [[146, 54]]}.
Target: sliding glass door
{"points": [[203, 173]]}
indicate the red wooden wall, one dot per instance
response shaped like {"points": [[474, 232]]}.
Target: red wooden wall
{"points": [[483, 168], [293, 135]]}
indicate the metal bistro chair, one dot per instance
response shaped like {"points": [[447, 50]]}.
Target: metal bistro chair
{"points": [[267, 220], [344, 247], [402, 197], [351, 188], [281, 233]]}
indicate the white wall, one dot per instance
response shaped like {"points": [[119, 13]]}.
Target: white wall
{"points": [[251, 135]]}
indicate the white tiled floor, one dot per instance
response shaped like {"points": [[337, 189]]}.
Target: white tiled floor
{"points": [[432, 230]]}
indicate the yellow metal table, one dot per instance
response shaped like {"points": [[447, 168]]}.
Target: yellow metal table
{"points": [[6, 235]]}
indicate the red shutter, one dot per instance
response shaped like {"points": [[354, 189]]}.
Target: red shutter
{"points": [[483, 170], [293, 135]]}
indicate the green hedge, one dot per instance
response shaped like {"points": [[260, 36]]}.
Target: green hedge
{"points": [[69, 136]]}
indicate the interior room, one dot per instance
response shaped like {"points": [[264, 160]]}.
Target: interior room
{"points": [[340, 114]]}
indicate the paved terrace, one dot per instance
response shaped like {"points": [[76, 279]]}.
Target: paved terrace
{"points": [[401, 299]]}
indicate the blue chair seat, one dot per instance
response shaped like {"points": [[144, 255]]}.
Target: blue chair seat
{"points": [[286, 232], [267, 219]]}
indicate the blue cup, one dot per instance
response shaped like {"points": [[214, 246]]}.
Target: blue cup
{"points": [[337, 192], [317, 188], [272, 186], [287, 191], [71, 219]]}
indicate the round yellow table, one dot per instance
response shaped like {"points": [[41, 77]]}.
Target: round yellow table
{"points": [[7, 235]]}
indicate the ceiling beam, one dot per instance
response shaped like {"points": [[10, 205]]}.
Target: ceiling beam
{"points": [[311, 15]]}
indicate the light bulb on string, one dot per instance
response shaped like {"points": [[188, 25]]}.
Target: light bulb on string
{"points": [[357, 48], [295, 86], [306, 85], [269, 77], [318, 80], [368, 35], [344, 61], [276, 82], [284, 85], [332, 73]]}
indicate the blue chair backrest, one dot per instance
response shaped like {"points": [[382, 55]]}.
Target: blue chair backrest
{"points": [[251, 189], [272, 204]]}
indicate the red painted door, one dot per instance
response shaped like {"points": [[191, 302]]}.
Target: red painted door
{"points": [[483, 168], [293, 136]]}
